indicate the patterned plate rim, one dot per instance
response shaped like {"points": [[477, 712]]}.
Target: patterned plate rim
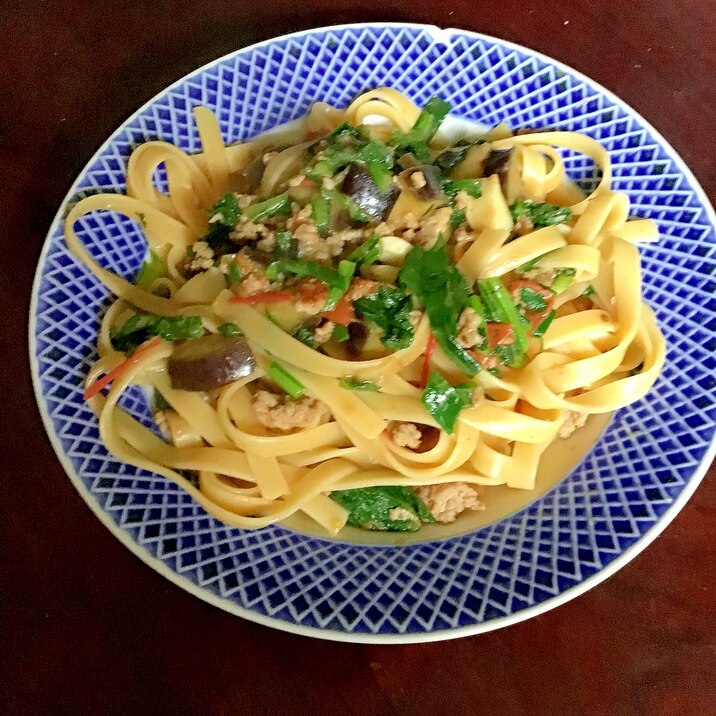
{"points": [[439, 35]]}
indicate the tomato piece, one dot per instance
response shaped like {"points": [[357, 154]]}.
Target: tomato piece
{"points": [[499, 334]]}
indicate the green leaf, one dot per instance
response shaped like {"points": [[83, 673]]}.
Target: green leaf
{"points": [[457, 218], [340, 333], [227, 210], [286, 246], [435, 282], [533, 300], [562, 280], [345, 202], [338, 280], [545, 324], [351, 383], [152, 269], [541, 213], [502, 309], [284, 380], [137, 329], [589, 291], [233, 273], [367, 253], [229, 330], [320, 213], [370, 507], [389, 308], [473, 187], [306, 336], [444, 401], [279, 205]]}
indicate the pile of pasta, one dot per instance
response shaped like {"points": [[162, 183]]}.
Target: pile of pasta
{"points": [[589, 361]]}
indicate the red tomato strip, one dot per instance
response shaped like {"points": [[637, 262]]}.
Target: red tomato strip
{"points": [[343, 313], [257, 298], [105, 380], [429, 350]]}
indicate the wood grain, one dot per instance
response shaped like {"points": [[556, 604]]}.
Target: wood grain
{"points": [[88, 629]]}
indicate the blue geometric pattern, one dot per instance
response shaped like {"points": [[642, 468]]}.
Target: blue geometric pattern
{"points": [[647, 463]]}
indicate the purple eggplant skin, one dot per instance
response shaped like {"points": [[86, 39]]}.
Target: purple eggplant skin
{"points": [[497, 162], [433, 188], [209, 362], [248, 181], [359, 186]]}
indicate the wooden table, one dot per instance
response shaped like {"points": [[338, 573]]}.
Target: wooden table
{"points": [[89, 629]]}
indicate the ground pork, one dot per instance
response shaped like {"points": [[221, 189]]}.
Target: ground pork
{"points": [[447, 501], [523, 225], [253, 278], [311, 296], [201, 257], [246, 230], [361, 287], [541, 276], [572, 421], [467, 325], [435, 225], [406, 435], [283, 414]]}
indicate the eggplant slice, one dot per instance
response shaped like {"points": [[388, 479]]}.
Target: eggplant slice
{"points": [[359, 186], [210, 362]]}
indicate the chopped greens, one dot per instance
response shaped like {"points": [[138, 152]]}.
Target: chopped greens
{"points": [[279, 205], [137, 329], [152, 269], [340, 333], [501, 307], [338, 280], [426, 125], [540, 213], [457, 218], [286, 246], [228, 330], [284, 380], [436, 283], [320, 213], [367, 253], [389, 308], [345, 202], [227, 210], [562, 280], [473, 187], [233, 273], [533, 300], [545, 324], [444, 401], [306, 336], [589, 291], [351, 383], [371, 508]]}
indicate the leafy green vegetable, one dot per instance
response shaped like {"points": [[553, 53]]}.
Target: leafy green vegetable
{"points": [[306, 336], [279, 205], [287, 382], [457, 218], [152, 269], [532, 300], [435, 282], [229, 330], [159, 402], [233, 272], [529, 265], [444, 401], [351, 383], [589, 291], [227, 210], [562, 280], [286, 246], [337, 280], [473, 187], [541, 213], [137, 329], [320, 213], [340, 333], [379, 163], [545, 324], [367, 253], [389, 308], [426, 125], [345, 202], [370, 508], [500, 305]]}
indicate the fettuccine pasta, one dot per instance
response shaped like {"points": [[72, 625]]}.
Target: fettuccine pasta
{"points": [[363, 321]]}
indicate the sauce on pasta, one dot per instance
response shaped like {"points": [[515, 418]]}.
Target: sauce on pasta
{"points": [[364, 320]]}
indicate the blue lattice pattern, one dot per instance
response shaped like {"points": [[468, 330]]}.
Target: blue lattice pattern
{"points": [[637, 471]]}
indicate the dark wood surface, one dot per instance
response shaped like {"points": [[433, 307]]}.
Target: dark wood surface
{"points": [[86, 628]]}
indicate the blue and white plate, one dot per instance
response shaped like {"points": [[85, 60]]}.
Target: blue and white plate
{"points": [[632, 483]]}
